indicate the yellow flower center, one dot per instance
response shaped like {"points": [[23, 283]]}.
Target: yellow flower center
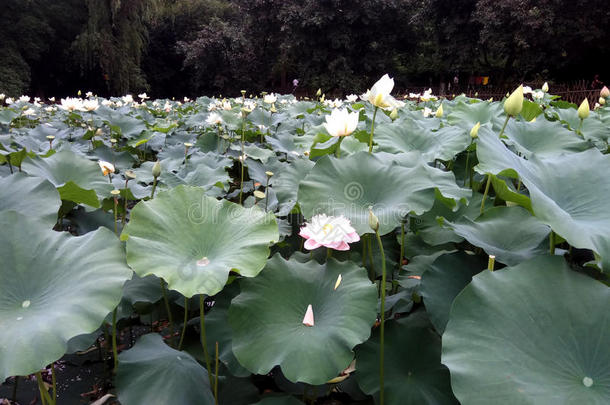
{"points": [[327, 228]]}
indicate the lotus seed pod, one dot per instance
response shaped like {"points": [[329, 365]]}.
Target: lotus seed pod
{"points": [[156, 169], [514, 103], [583, 110], [269, 174]]}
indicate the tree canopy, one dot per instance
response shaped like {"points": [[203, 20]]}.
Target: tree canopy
{"points": [[180, 47]]}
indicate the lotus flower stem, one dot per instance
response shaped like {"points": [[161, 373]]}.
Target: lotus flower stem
{"points": [[54, 382], [338, 150], [485, 193], [372, 130], [242, 160], [382, 322], [204, 344], [504, 126], [216, 377], [115, 355], [552, 242], [15, 388], [154, 187], [329, 253], [578, 131], [44, 394], [186, 317], [167, 308]]}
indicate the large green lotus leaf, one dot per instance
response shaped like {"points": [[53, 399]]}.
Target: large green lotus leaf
{"points": [[535, 333], [544, 138], [428, 226], [193, 241], [286, 184], [77, 179], [408, 135], [349, 186], [511, 234], [413, 373], [267, 318], [151, 372], [30, 196], [592, 128], [443, 280], [54, 287], [466, 115], [127, 126], [569, 192]]}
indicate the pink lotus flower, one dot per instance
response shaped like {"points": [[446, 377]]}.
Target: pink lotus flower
{"points": [[331, 232]]}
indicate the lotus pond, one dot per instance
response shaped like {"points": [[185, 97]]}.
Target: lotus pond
{"points": [[268, 250]]}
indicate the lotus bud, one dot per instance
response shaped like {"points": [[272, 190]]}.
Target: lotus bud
{"points": [[79, 93], [319, 93], [439, 112], [373, 220], [514, 103], [474, 132], [308, 318], [605, 93], [156, 169], [338, 282], [394, 114], [545, 87], [583, 110], [601, 101]]}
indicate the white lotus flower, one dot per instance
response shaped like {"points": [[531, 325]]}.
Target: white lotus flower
{"points": [[214, 119], [352, 98], [336, 103], [527, 90], [28, 112], [24, 99], [106, 103], [9, 101], [127, 98], [52, 99], [428, 96], [90, 105], [341, 122], [2, 96], [537, 94], [427, 112], [270, 98], [143, 96], [71, 104], [226, 105], [379, 94], [328, 231], [89, 94], [106, 167]]}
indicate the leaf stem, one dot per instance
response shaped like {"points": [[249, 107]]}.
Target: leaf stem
{"points": [[372, 130], [114, 345], [204, 344], [382, 322], [216, 377], [167, 308], [186, 316]]}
